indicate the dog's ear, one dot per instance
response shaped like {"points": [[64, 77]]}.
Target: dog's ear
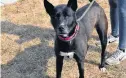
{"points": [[72, 4], [49, 7]]}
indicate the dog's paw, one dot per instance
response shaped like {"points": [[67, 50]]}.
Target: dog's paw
{"points": [[103, 69]]}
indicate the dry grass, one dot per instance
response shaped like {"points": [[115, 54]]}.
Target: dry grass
{"points": [[27, 44]]}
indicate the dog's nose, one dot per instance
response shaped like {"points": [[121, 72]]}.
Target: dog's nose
{"points": [[61, 29]]}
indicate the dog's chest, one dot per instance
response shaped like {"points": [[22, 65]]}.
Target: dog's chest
{"points": [[67, 49], [67, 54], [66, 46]]}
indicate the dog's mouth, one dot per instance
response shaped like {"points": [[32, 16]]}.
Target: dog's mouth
{"points": [[64, 35]]}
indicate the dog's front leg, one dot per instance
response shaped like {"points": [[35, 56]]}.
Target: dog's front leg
{"points": [[59, 64], [80, 63]]}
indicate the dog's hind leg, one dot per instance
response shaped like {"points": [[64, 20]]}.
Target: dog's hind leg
{"points": [[59, 64], [101, 28]]}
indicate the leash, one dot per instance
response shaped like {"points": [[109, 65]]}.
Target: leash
{"points": [[86, 11]]}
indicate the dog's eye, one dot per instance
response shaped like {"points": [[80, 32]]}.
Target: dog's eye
{"points": [[66, 14], [58, 15], [69, 14]]}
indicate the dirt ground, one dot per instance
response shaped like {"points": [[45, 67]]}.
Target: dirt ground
{"points": [[27, 41]]}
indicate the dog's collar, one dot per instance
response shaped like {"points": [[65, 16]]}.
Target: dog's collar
{"points": [[70, 37]]}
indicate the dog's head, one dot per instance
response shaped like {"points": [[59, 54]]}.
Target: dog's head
{"points": [[63, 17]]}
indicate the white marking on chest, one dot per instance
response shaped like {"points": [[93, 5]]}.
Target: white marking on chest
{"points": [[69, 54]]}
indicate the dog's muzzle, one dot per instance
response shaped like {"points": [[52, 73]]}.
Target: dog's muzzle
{"points": [[69, 38]]}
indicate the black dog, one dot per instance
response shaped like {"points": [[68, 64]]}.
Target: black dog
{"points": [[72, 35]]}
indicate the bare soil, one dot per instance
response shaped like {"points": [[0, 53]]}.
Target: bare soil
{"points": [[27, 41]]}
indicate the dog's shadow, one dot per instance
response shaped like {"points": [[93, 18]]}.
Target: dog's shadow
{"points": [[32, 61]]}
